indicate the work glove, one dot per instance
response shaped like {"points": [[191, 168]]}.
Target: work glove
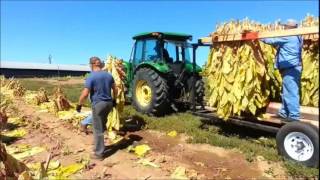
{"points": [[114, 103], [78, 108]]}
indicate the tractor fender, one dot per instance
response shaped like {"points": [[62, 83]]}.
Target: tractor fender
{"points": [[158, 67]]}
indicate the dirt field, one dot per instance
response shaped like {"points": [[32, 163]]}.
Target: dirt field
{"points": [[202, 161]]}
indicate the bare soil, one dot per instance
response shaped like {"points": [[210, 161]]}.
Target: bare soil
{"points": [[68, 145]]}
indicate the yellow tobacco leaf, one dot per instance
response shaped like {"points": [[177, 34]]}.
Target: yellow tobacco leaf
{"points": [[63, 172], [113, 137], [172, 133], [179, 173], [66, 115], [15, 120], [22, 151], [54, 164], [16, 133], [141, 150], [25, 175], [147, 162], [113, 119], [226, 68], [252, 108]]}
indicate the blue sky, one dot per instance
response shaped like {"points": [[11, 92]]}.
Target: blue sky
{"points": [[74, 31]]}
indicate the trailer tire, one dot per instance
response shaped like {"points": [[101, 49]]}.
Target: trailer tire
{"points": [[299, 142]]}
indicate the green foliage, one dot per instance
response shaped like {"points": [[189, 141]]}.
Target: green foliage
{"points": [[298, 171], [72, 91]]}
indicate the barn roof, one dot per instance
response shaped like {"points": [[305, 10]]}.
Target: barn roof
{"points": [[43, 66]]}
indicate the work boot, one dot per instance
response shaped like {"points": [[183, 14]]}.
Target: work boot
{"points": [[97, 157], [281, 116]]}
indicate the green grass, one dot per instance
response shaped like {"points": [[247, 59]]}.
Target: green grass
{"points": [[35, 85], [72, 92], [249, 141]]}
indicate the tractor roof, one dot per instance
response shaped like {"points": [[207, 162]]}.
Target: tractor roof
{"points": [[165, 35]]}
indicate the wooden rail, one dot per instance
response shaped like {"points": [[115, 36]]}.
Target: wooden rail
{"points": [[307, 33]]}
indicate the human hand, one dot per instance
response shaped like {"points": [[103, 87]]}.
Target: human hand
{"points": [[114, 103], [78, 108]]}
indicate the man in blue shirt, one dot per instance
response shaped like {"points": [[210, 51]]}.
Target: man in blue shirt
{"points": [[98, 85], [289, 63]]}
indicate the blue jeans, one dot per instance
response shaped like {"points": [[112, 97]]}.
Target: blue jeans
{"points": [[87, 120], [290, 93], [100, 113]]}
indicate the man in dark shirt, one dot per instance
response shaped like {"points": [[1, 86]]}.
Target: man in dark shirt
{"points": [[98, 85]]}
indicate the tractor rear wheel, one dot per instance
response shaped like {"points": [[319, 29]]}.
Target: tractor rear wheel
{"points": [[150, 92], [199, 90]]}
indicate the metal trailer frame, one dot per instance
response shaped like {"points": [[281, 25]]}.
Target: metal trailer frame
{"points": [[209, 114], [270, 126], [282, 129]]}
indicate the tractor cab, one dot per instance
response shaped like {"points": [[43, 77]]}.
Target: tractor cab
{"points": [[160, 70], [169, 49]]}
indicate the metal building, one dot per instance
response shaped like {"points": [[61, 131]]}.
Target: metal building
{"points": [[20, 69]]}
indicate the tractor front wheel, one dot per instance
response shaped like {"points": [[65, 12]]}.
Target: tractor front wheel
{"points": [[150, 92]]}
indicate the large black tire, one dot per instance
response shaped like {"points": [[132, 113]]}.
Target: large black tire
{"points": [[159, 101], [296, 135], [199, 90]]}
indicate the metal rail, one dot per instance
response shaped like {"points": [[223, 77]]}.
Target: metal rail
{"points": [[193, 92], [254, 124], [306, 32]]}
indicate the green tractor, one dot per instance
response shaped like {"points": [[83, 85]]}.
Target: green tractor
{"points": [[160, 74]]}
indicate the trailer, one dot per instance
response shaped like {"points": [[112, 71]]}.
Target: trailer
{"points": [[297, 141]]}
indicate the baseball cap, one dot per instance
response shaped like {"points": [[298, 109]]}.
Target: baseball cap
{"points": [[94, 59]]}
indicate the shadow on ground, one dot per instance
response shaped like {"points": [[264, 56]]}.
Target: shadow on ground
{"points": [[8, 140], [11, 126], [123, 144], [135, 123]]}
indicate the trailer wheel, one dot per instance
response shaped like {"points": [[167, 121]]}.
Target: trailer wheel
{"points": [[299, 142]]}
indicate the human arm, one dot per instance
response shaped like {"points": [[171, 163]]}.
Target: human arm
{"points": [[275, 41], [84, 94]]}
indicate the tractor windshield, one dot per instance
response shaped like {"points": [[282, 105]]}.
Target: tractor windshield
{"points": [[178, 51], [154, 50]]}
